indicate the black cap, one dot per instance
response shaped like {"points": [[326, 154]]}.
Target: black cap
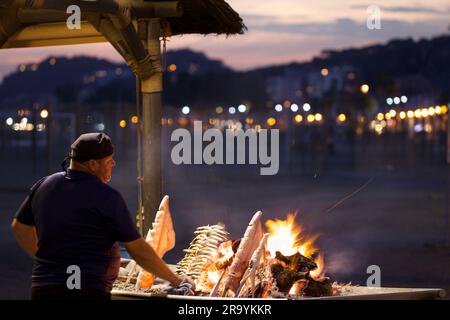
{"points": [[91, 146]]}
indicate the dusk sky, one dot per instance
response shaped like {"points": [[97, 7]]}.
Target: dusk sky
{"points": [[283, 31]]}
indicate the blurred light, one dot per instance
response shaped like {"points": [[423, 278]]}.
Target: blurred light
{"points": [[417, 113], [134, 119], [185, 110], [29, 127], [342, 117], [219, 110], [324, 72], [444, 109], [397, 100], [52, 61], [100, 127], [181, 121], [383, 123], [310, 118], [351, 76], [389, 101], [278, 108], [404, 99], [418, 127], [428, 128], [34, 67], [172, 67], [16, 126], [286, 104], [410, 114], [40, 127], [387, 116], [402, 115], [294, 107], [380, 116], [122, 123], [393, 113], [249, 120], [271, 121], [24, 120], [431, 111], [9, 121], [424, 112], [163, 121], [298, 118], [318, 117], [365, 88], [169, 121], [242, 108], [22, 68], [438, 110], [379, 128], [232, 110], [306, 107], [44, 113], [118, 71]]}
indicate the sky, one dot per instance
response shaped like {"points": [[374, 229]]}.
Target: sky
{"points": [[282, 31]]}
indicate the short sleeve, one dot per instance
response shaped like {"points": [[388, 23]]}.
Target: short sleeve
{"points": [[121, 221], [24, 214]]}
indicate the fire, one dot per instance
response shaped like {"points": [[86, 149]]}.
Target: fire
{"points": [[285, 237]]}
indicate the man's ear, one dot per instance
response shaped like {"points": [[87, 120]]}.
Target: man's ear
{"points": [[93, 165]]}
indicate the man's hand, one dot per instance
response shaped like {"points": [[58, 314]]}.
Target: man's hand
{"points": [[26, 236]]}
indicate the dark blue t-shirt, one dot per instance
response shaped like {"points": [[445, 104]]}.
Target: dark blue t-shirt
{"points": [[79, 221]]}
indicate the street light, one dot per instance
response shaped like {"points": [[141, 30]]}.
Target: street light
{"points": [[44, 113], [365, 88]]}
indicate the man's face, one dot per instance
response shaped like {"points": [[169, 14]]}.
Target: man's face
{"points": [[102, 168]]}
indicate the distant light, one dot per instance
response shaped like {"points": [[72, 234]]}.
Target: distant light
{"points": [[342, 117], [410, 114], [249, 120], [219, 110], [118, 71], [444, 109], [294, 107], [417, 113], [24, 120], [40, 127], [278, 108], [22, 68], [397, 100], [172, 67], [101, 126], [418, 127], [318, 117], [389, 101], [306, 107], [34, 67], [431, 111], [392, 113], [271, 121], [380, 116], [242, 108], [310, 118], [134, 119], [424, 112], [9, 121], [404, 99], [387, 116], [324, 72], [52, 61], [16, 126], [44, 113], [298, 118], [365, 88], [286, 104], [122, 123], [231, 110], [185, 110], [402, 115]]}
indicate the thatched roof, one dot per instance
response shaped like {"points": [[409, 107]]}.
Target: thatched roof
{"points": [[206, 17]]}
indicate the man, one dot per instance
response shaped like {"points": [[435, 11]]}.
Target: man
{"points": [[73, 220]]}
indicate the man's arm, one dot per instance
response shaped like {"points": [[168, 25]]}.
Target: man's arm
{"points": [[26, 236], [146, 257]]}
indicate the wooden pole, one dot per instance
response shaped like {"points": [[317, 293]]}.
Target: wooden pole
{"points": [[151, 127]]}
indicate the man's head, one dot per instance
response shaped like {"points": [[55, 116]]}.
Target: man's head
{"points": [[93, 153]]}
